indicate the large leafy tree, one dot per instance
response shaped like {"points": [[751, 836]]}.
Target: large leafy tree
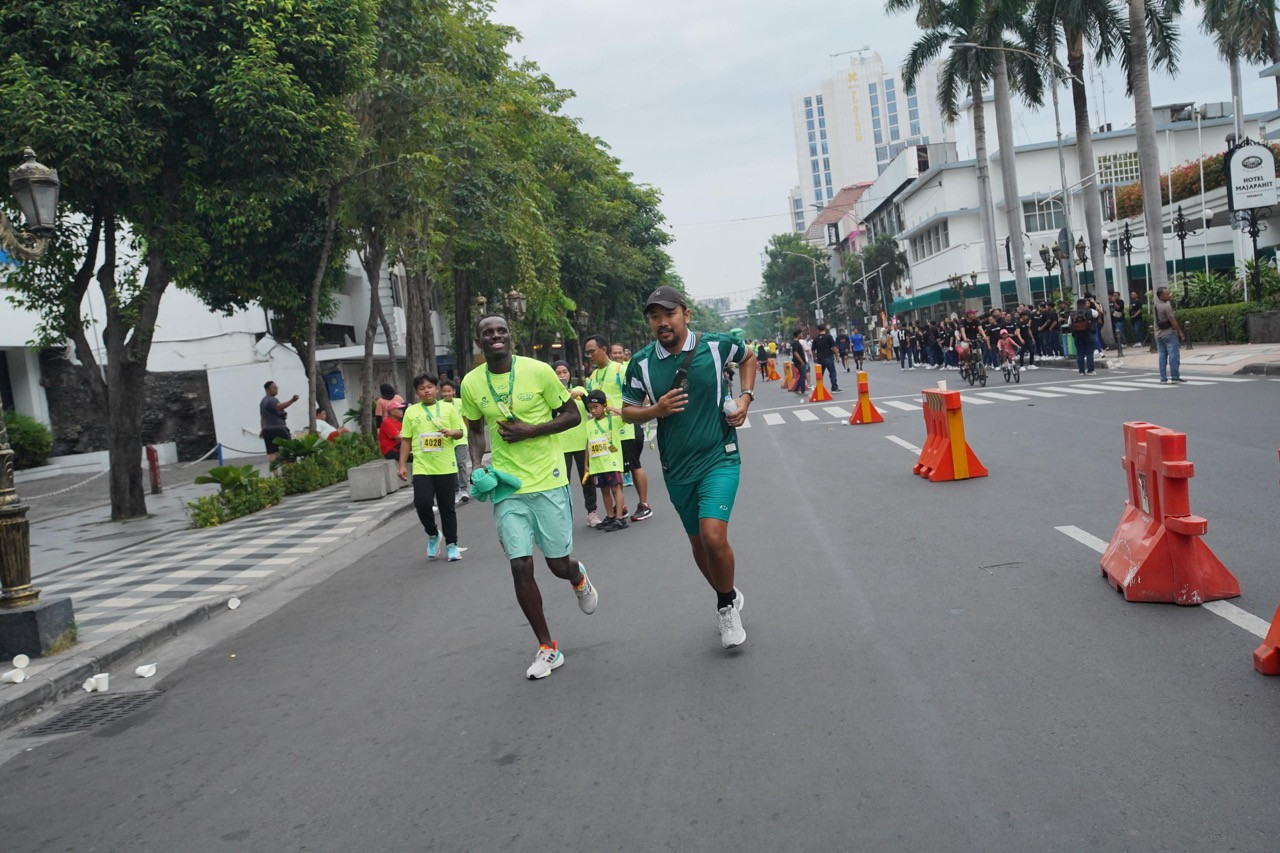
{"points": [[793, 271], [1242, 30], [142, 107]]}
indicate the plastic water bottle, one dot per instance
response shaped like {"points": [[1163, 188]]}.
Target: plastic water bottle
{"points": [[730, 406]]}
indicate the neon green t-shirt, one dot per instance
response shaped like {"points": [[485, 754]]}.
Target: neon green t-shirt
{"points": [[532, 395], [462, 442], [424, 427], [575, 439], [604, 444], [610, 380]]}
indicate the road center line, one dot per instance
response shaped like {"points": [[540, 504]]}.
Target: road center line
{"points": [[903, 443], [1237, 616]]}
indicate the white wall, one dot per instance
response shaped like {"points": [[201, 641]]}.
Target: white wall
{"points": [[236, 391]]}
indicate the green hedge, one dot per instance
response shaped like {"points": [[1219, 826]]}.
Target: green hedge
{"points": [[1205, 324], [258, 493], [31, 440]]}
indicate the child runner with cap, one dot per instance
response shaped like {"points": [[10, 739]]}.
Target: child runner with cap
{"points": [[697, 440], [524, 405], [604, 456]]}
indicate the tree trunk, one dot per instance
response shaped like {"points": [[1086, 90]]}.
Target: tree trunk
{"points": [[1273, 52], [371, 259], [1009, 173], [417, 322], [313, 304], [430, 304], [462, 321], [1090, 192], [1148, 152], [986, 209]]}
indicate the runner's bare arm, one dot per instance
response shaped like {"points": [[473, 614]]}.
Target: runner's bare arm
{"points": [[475, 443], [669, 403]]}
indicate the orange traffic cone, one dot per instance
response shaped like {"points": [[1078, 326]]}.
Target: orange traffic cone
{"points": [[773, 370], [820, 393], [864, 412]]}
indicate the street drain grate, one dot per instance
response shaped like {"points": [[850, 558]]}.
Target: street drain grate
{"points": [[92, 713]]}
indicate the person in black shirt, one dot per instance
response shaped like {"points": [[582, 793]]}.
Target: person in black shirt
{"points": [[1136, 325], [798, 363], [1116, 310], [824, 355], [842, 346]]}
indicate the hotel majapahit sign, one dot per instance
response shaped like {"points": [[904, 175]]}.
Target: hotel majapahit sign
{"points": [[1251, 177]]}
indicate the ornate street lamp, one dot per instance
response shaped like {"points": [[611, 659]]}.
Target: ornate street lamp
{"points": [[27, 625], [1182, 230], [518, 303], [36, 188]]}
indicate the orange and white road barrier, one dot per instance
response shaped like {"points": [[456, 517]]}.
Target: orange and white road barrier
{"points": [[786, 368], [1156, 553], [773, 370], [946, 454], [864, 412], [820, 393]]}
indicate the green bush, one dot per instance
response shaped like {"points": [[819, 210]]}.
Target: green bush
{"points": [[235, 502], [1206, 323], [307, 475], [31, 440], [1204, 290]]}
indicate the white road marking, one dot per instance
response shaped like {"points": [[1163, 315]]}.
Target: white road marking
{"points": [[1237, 616], [1012, 398], [975, 401], [1035, 393], [837, 412], [773, 419], [903, 443], [1101, 387], [805, 415], [1223, 379], [906, 407], [746, 423], [1071, 389]]}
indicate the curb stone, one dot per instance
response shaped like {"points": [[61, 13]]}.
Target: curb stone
{"points": [[17, 702]]}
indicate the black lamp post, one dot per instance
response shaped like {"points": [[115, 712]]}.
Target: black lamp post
{"points": [[1182, 230], [1082, 258], [27, 625], [1251, 221], [1049, 257]]}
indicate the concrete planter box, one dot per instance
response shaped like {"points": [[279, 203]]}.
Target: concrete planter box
{"points": [[368, 482], [1263, 327]]}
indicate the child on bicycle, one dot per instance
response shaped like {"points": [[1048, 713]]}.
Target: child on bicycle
{"points": [[1007, 348]]}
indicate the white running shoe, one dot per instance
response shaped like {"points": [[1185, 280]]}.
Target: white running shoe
{"points": [[588, 598], [731, 631], [739, 600], [593, 519], [547, 659]]}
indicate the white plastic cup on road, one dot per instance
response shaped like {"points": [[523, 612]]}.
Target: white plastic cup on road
{"points": [[89, 685], [942, 384], [101, 681], [21, 662], [233, 603], [145, 671], [14, 676]]}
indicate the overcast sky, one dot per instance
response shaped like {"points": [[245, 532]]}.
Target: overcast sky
{"points": [[694, 96]]}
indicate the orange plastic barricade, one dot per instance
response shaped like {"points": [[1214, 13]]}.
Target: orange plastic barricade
{"points": [[791, 385], [864, 412], [946, 454], [773, 371], [820, 393], [1156, 553], [1266, 657]]}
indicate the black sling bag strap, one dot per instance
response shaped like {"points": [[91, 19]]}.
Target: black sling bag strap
{"points": [[683, 370]]}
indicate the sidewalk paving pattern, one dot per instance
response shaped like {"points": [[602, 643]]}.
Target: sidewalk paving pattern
{"points": [[117, 592]]}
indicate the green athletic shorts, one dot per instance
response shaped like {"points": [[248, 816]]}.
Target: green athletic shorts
{"points": [[545, 518], [711, 496]]}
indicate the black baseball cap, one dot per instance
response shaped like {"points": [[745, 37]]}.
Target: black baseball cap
{"points": [[667, 297], [596, 396]]}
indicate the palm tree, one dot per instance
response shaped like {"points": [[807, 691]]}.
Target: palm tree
{"points": [[963, 72], [1145, 125], [987, 22], [1100, 24], [1242, 30]]}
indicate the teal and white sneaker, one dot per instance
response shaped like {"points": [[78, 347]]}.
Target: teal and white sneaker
{"points": [[547, 659], [588, 598], [454, 553], [433, 546]]}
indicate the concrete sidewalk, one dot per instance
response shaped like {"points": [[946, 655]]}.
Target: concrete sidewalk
{"points": [[1208, 358], [136, 584]]}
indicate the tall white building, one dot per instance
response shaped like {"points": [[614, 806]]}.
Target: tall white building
{"points": [[850, 128]]}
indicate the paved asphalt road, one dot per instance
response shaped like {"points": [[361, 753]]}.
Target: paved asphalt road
{"points": [[928, 667]]}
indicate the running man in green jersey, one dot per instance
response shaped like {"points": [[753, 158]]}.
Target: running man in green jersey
{"points": [[697, 436], [524, 405]]}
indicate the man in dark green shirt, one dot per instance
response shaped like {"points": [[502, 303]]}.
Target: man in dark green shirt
{"points": [[683, 372]]}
